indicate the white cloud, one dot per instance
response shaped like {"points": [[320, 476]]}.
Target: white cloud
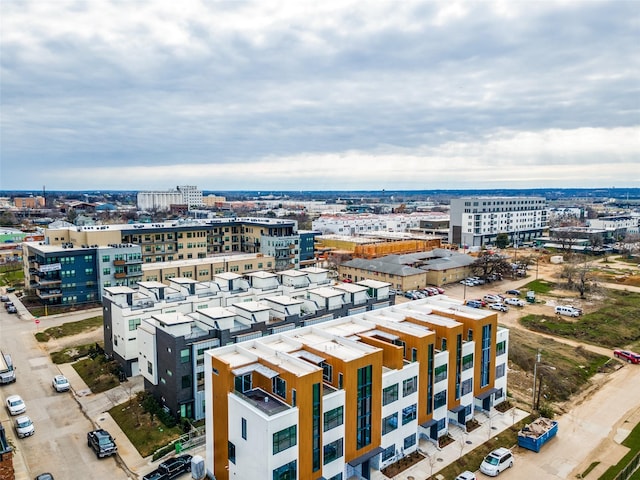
{"points": [[260, 94]]}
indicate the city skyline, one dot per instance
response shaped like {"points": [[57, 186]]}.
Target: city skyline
{"points": [[349, 96]]}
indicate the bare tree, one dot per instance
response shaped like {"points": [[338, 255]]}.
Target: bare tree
{"points": [[490, 263], [568, 272], [566, 238]]}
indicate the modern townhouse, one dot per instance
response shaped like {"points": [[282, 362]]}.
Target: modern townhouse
{"points": [[160, 331], [350, 396], [477, 221]]}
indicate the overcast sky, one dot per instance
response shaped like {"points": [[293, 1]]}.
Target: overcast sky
{"points": [[318, 95]]}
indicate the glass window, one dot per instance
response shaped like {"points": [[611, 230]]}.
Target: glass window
{"points": [[501, 347], [133, 324], [409, 386], [467, 362], [388, 452], [327, 372], [440, 373], [410, 441], [500, 369], [286, 472], [284, 439], [185, 355], [466, 386], [409, 413], [232, 452], [333, 451], [186, 381], [440, 399], [333, 418], [244, 428], [390, 423], [280, 387], [390, 394]]}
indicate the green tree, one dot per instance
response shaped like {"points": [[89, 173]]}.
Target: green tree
{"points": [[502, 240]]}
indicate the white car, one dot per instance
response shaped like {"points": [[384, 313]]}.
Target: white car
{"points": [[466, 475], [497, 461], [514, 301], [24, 427], [60, 383], [490, 297], [16, 405], [501, 307]]}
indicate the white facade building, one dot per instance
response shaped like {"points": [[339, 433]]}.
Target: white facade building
{"points": [[477, 221], [360, 224]]}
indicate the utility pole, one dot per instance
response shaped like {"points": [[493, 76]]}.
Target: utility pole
{"points": [[535, 373]]}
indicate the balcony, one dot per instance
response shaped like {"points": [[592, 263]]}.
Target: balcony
{"points": [[134, 261], [119, 263], [120, 275]]}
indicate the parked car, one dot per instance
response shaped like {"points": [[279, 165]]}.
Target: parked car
{"points": [[496, 462], [44, 476], [175, 466], [16, 405], [12, 309], [474, 303], [4, 298], [102, 443], [514, 301], [24, 426], [8, 304], [60, 383], [155, 475], [567, 310], [492, 297], [629, 357], [466, 475], [513, 292], [440, 290], [501, 307]]}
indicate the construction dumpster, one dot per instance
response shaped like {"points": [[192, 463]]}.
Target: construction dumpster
{"points": [[537, 433]]}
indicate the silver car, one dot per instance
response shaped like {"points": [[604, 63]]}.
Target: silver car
{"points": [[60, 383], [16, 405], [24, 427]]}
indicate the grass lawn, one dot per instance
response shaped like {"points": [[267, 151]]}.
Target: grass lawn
{"points": [[472, 460], [573, 367], [145, 434], [616, 324], [70, 328], [71, 354], [539, 286], [633, 443], [97, 373]]}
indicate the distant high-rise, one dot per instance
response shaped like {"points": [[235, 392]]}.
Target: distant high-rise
{"points": [[162, 200]]}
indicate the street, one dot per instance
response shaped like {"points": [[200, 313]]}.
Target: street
{"points": [[59, 445]]}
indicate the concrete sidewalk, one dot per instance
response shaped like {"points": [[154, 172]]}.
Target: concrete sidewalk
{"points": [[441, 458]]}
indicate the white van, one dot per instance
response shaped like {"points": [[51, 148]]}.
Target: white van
{"points": [[567, 310]]}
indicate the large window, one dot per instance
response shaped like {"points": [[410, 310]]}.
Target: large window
{"points": [[466, 386], [243, 383], [409, 413], [467, 362], [286, 472], [409, 386], [390, 423], [333, 451], [185, 355], [333, 418], [285, 439], [315, 439], [388, 452], [501, 347], [440, 399], [440, 373], [390, 394], [327, 372], [280, 387], [363, 419], [410, 441], [485, 362], [133, 324], [500, 369]]}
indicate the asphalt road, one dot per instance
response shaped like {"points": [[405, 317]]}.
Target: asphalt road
{"points": [[59, 445]]}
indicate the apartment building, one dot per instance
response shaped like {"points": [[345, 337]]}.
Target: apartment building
{"points": [[161, 331], [352, 395], [360, 224], [70, 275], [477, 221], [189, 239], [616, 226]]}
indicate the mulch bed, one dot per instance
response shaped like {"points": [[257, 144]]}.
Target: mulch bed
{"points": [[402, 464]]}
